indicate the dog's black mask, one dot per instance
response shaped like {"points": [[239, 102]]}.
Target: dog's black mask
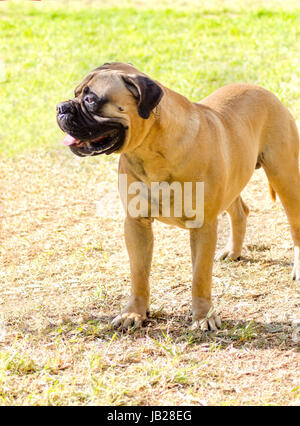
{"points": [[93, 135]]}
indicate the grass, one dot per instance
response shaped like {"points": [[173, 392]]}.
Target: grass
{"points": [[64, 271]]}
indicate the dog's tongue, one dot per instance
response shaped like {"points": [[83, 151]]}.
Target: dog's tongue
{"points": [[69, 140]]}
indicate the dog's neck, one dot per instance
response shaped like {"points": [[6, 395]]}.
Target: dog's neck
{"points": [[160, 142], [173, 110]]}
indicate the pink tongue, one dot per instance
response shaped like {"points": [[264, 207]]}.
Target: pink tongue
{"points": [[69, 140]]}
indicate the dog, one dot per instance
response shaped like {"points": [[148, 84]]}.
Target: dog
{"points": [[164, 137]]}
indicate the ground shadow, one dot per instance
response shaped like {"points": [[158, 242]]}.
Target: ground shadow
{"points": [[177, 330], [262, 261]]}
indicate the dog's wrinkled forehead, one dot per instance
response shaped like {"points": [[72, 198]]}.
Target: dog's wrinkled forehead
{"points": [[104, 85], [106, 78], [115, 80]]}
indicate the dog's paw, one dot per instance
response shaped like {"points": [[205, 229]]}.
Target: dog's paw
{"points": [[128, 320], [212, 323], [204, 316], [133, 315], [296, 268], [296, 273], [228, 255]]}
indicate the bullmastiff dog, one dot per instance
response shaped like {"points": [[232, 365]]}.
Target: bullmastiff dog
{"points": [[164, 137]]}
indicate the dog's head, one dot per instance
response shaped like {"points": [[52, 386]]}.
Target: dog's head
{"points": [[111, 110]]}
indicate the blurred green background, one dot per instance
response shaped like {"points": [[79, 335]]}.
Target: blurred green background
{"points": [[193, 47]]}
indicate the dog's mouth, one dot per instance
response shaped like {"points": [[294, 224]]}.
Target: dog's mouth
{"points": [[107, 143]]}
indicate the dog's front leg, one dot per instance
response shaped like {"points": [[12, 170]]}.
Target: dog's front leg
{"points": [[203, 244], [139, 243]]}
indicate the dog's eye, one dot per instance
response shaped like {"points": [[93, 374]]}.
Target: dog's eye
{"points": [[89, 100]]}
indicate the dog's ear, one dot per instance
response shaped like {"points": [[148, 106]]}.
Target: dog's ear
{"points": [[147, 93]]}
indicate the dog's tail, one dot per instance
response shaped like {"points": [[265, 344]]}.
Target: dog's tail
{"points": [[272, 192]]}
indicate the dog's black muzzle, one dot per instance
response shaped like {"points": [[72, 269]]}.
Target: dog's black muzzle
{"points": [[94, 135]]}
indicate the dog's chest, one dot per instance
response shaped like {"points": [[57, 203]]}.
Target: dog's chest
{"points": [[153, 191], [150, 170]]}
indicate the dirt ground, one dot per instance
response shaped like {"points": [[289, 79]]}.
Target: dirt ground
{"points": [[65, 274]]}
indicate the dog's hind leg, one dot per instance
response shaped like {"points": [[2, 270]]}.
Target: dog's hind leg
{"points": [[237, 213], [281, 164]]}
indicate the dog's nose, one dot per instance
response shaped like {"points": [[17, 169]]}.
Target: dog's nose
{"points": [[64, 108]]}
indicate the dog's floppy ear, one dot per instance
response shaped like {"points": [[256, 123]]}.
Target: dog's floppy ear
{"points": [[146, 91]]}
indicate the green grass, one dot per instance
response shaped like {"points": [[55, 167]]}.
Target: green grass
{"points": [[48, 49]]}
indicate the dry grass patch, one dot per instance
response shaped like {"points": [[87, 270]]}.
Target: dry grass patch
{"points": [[65, 273]]}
